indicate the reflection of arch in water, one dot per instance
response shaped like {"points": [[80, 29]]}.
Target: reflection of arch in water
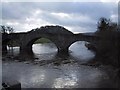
{"points": [[79, 51], [43, 45]]}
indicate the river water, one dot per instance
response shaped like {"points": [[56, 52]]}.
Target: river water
{"points": [[46, 69]]}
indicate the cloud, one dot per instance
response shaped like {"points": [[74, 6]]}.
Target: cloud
{"points": [[115, 1], [77, 16]]}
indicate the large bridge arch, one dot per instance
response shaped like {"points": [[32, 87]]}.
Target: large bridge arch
{"points": [[44, 45], [30, 43], [57, 34]]}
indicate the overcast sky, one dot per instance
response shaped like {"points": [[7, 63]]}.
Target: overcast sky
{"points": [[75, 16]]}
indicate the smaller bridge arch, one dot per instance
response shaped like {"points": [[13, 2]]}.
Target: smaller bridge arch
{"points": [[79, 51]]}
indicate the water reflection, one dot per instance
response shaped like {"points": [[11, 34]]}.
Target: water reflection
{"points": [[35, 78], [61, 73], [48, 51], [64, 76], [67, 81], [44, 48], [13, 50]]}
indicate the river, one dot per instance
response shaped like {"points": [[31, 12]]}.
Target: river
{"points": [[46, 69]]}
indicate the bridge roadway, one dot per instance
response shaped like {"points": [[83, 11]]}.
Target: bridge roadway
{"points": [[60, 36]]}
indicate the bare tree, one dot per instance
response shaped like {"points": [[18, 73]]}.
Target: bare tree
{"points": [[6, 29]]}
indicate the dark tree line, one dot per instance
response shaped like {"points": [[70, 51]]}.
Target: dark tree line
{"points": [[109, 43], [7, 30], [106, 25]]}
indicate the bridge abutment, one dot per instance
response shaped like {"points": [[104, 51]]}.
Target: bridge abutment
{"points": [[4, 49], [63, 50]]}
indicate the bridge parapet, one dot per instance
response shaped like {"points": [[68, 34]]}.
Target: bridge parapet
{"points": [[52, 30]]}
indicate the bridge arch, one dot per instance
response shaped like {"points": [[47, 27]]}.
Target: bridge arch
{"points": [[44, 45], [60, 36], [32, 42], [56, 34], [29, 44], [86, 44], [79, 51]]}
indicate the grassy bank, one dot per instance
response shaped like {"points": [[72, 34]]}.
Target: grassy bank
{"points": [[42, 40]]}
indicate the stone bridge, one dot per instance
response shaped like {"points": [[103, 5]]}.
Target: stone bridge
{"points": [[60, 36]]}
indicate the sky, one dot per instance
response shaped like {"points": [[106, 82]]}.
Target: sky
{"points": [[78, 17]]}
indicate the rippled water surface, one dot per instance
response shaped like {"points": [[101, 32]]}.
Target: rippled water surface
{"points": [[48, 70]]}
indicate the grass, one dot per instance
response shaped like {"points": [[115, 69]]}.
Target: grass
{"points": [[43, 40]]}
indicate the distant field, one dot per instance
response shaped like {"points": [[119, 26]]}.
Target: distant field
{"points": [[42, 40]]}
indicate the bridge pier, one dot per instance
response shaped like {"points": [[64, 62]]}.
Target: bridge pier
{"points": [[63, 52], [26, 49]]}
